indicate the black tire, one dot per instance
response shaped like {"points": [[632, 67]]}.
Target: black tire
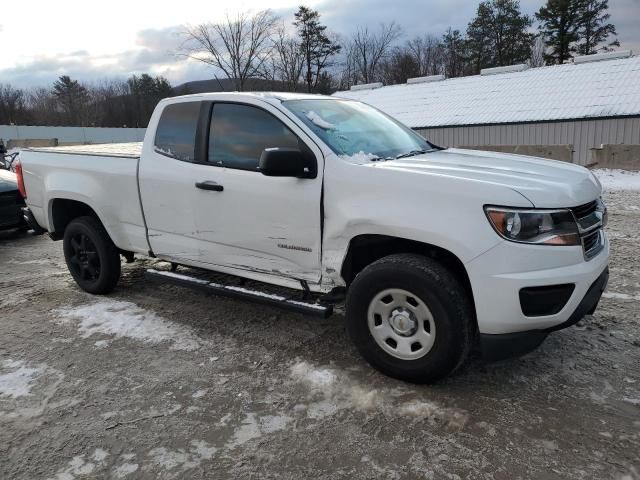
{"points": [[92, 258], [443, 295]]}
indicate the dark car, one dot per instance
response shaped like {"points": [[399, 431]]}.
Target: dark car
{"points": [[10, 202]]}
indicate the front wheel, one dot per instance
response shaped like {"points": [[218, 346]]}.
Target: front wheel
{"points": [[92, 258], [410, 318]]}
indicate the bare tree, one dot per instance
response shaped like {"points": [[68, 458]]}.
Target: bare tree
{"points": [[428, 54], [239, 46], [287, 60], [43, 107], [370, 48], [12, 105]]}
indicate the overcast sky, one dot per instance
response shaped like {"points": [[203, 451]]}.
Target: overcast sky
{"points": [[41, 40]]}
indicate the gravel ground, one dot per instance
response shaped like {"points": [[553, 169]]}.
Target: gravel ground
{"points": [[155, 381]]}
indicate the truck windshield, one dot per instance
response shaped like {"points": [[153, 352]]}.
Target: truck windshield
{"points": [[352, 128]]}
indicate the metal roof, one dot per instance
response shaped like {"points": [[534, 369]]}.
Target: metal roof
{"points": [[606, 88]]}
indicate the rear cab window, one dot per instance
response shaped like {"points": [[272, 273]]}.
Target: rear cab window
{"points": [[176, 131]]}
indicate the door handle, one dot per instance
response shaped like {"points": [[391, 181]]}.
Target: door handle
{"points": [[209, 185]]}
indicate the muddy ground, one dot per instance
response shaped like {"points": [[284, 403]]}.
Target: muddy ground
{"points": [[155, 381]]}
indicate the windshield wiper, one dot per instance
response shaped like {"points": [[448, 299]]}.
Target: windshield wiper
{"points": [[412, 153]]}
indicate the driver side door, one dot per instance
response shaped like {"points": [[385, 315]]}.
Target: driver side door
{"points": [[251, 223]]}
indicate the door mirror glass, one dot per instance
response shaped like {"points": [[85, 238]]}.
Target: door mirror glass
{"points": [[286, 162]]}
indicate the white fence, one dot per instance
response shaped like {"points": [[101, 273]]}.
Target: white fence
{"points": [[72, 134]]}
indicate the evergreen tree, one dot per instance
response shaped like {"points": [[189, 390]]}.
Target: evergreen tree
{"points": [[594, 27], [559, 25], [453, 46], [315, 45], [499, 35], [146, 92], [72, 97]]}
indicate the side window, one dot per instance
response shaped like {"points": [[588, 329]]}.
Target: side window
{"points": [[239, 134], [176, 132]]}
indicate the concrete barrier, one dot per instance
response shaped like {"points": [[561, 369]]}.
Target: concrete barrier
{"points": [[32, 142], [624, 157], [553, 152], [72, 135]]}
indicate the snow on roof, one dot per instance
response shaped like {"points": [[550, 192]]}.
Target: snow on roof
{"points": [[608, 88]]}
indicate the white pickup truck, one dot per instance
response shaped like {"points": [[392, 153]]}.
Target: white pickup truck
{"points": [[435, 249]]}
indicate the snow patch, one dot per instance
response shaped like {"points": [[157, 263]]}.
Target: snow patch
{"points": [[78, 466], [17, 382], [359, 158], [322, 409], [318, 121], [315, 377], [340, 392], [184, 460], [127, 320], [254, 427], [200, 393], [612, 179], [621, 296], [125, 469], [99, 455]]}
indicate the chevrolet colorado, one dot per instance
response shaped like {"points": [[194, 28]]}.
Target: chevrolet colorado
{"points": [[435, 249]]}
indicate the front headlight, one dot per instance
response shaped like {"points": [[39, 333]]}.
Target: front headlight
{"points": [[541, 227]]}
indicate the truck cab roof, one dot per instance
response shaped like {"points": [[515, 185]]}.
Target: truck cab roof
{"points": [[271, 97]]}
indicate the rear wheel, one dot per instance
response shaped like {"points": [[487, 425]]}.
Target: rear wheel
{"points": [[410, 318], [92, 258]]}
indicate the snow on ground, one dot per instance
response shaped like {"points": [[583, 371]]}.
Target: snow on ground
{"points": [[340, 391], [314, 377], [79, 467], [612, 179], [127, 320], [182, 459], [17, 381], [621, 296], [254, 426]]}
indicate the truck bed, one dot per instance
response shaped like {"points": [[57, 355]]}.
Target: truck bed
{"points": [[103, 177], [122, 150]]}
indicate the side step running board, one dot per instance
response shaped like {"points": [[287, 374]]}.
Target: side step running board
{"points": [[242, 293]]}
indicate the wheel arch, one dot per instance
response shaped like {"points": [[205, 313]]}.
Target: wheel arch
{"points": [[367, 248], [63, 211]]}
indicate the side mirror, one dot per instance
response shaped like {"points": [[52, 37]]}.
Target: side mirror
{"points": [[287, 162]]}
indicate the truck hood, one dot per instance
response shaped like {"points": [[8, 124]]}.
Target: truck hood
{"points": [[545, 183], [8, 181]]}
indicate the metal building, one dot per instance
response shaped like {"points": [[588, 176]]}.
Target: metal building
{"points": [[568, 112]]}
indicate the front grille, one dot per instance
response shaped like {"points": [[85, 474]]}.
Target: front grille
{"points": [[585, 210], [590, 218], [592, 244]]}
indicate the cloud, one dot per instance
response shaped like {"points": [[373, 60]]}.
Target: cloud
{"points": [[153, 50], [154, 53]]}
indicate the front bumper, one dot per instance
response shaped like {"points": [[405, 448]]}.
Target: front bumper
{"points": [[501, 346], [498, 276]]}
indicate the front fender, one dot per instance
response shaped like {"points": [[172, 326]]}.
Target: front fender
{"points": [[436, 210]]}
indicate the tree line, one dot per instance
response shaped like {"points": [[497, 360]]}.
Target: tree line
{"points": [[304, 55], [301, 54], [111, 103]]}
